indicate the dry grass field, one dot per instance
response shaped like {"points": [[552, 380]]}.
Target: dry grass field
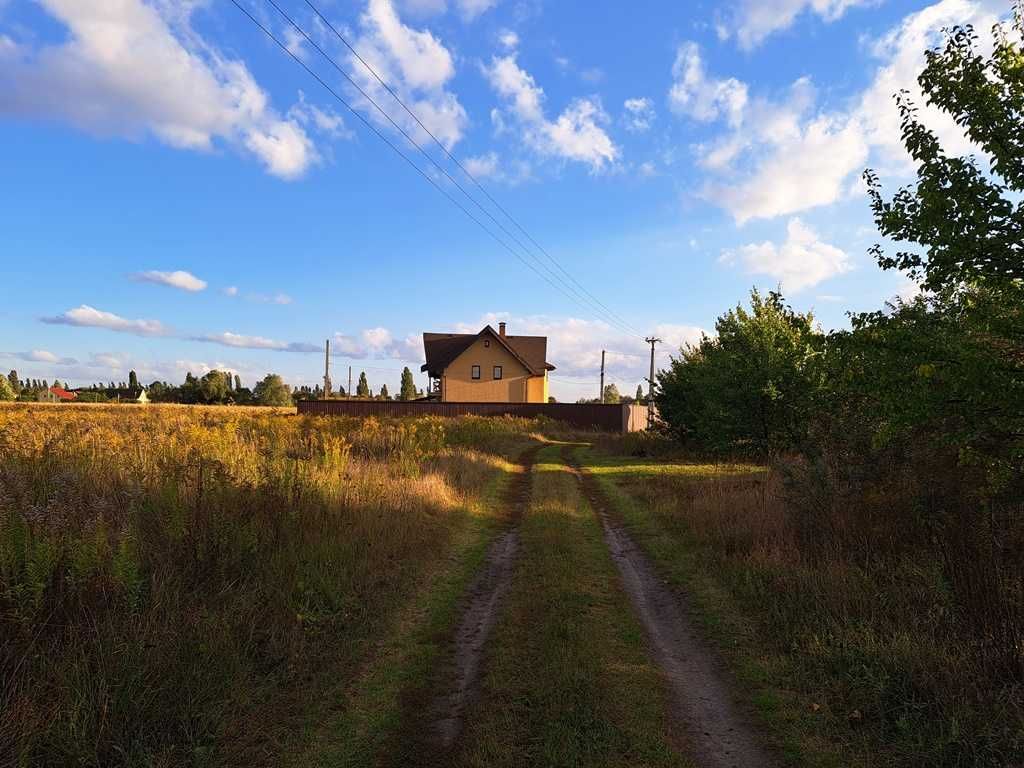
{"points": [[204, 586], [182, 586]]}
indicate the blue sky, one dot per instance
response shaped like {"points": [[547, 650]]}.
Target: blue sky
{"points": [[179, 195]]}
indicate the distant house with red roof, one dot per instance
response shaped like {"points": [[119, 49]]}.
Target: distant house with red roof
{"points": [[56, 395]]}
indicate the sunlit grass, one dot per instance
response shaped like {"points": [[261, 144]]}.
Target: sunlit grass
{"points": [[181, 585]]}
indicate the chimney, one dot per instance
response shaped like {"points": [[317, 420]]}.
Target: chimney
{"points": [[501, 329]]}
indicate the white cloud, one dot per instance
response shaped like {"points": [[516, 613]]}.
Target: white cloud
{"points": [[179, 279], [639, 114], [801, 261], [343, 345], [89, 317], [792, 158], [901, 53], [379, 343], [695, 94], [509, 40], [470, 9], [417, 66], [41, 356], [803, 171], [424, 7], [229, 339], [376, 338], [482, 166], [129, 68], [576, 134], [231, 290], [327, 121], [106, 360], [242, 341], [276, 298], [751, 21]]}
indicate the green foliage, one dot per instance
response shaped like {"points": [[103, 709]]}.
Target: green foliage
{"points": [[7, 392], [611, 394], [639, 393], [272, 391], [15, 382], [970, 224], [214, 387], [384, 392], [408, 390], [363, 387], [92, 397], [748, 389]]}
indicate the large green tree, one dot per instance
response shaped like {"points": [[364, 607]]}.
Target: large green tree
{"points": [[408, 388], [213, 387], [949, 365], [750, 387], [6, 390], [611, 394], [15, 382], [962, 221], [272, 391], [363, 387]]}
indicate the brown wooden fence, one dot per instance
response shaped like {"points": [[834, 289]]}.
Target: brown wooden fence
{"points": [[603, 418]]}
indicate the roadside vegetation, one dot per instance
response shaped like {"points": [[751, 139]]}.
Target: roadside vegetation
{"points": [[880, 563], [194, 586]]}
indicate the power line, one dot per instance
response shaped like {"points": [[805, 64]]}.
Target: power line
{"points": [[626, 354], [574, 295], [391, 144], [470, 176]]}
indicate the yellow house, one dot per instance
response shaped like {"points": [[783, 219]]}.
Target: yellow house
{"points": [[487, 367]]}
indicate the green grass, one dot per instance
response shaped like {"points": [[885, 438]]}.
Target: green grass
{"points": [[724, 621], [849, 663], [366, 727], [568, 681]]}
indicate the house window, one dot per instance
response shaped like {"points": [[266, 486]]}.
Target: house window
{"points": [[497, 371], [475, 372], [487, 342]]}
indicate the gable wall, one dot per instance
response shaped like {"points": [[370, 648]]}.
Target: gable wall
{"points": [[458, 386]]}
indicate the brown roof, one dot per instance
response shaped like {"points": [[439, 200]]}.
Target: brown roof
{"points": [[442, 348]]}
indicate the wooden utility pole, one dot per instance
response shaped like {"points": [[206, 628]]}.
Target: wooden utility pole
{"points": [[348, 393], [327, 370], [601, 393], [650, 383]]}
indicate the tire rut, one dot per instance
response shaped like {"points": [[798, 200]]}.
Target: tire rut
{"points": [[482, 602], [709, 727]]}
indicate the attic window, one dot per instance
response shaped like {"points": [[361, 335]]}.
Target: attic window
{"points": [[475, 372], [497, 371], [487, 342]]}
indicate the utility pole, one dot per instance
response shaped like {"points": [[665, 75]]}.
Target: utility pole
{"points": [[327, 370], [601, 393], [650, 383], [349, 390]]}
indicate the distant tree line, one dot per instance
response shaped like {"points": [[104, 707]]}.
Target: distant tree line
{"points": [[212, 388], [613, 397]]}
